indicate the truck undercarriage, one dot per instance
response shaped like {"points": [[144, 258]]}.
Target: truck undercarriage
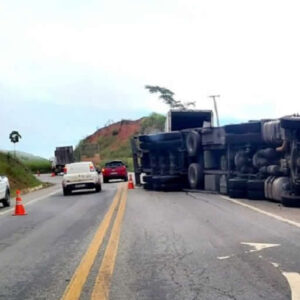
{"points": [[254, 160]]}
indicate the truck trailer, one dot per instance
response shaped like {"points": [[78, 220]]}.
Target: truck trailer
{"points": [[259, 159], [62, 156]]}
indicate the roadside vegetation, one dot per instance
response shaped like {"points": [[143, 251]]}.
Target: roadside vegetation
{"points": [[34, 163], [19, 175]]}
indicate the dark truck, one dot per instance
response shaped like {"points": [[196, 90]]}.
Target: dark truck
{"points": [[255, 160], [63, 155]]}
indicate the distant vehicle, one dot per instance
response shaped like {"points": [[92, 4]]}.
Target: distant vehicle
{"points": [[63, 156], [4, 191], [114, 170], [80, 175]]}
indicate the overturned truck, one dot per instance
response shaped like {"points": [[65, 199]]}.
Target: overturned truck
{"points": [[254, 160]]}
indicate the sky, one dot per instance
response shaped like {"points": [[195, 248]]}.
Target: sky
{"points": [[67, 67]]}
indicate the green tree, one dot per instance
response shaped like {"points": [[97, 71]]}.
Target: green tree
{"points": [[167, 96], [14, 138]]}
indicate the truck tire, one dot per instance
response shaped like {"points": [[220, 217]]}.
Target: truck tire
{"points": [[170, 187], [256, 194], [193, 142], [195, 176], [147, 179], [235, 193], [6, 200], [290, 123], [159, 181], [148, 186], [237, 184], [256, 184], [290, 200], [167, 136]]}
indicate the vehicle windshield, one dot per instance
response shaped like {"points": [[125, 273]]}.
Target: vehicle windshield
{"points": [[114, 164], [78, 168]]}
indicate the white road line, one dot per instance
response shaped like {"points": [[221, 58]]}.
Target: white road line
{"points": [[294, 282], [263, 212], [259, 246], [223, 257], [31, 202]]}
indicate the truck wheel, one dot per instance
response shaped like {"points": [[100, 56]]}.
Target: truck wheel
{"points": [[147, 179], [256, 185], [235, 193], [98, 188], [6, 200], [195, 176], [256, 194], [290, 123], [148, 186], [193, 143], [237, 184], [167, 136], [171, 187], [290, 200]]}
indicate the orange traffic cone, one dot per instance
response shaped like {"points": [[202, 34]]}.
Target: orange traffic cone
{"points": [[19, 209], [130, 183]]}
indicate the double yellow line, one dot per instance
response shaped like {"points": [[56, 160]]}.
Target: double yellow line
{"points": [[102, 283]]}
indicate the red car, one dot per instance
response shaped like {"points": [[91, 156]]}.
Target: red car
{"points": [[114, 170]]}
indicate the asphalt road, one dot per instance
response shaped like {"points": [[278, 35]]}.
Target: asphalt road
{"points": [[39, 251], [200, 246], [148, 245]]}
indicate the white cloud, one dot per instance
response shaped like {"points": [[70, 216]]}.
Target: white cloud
{"points": [[91, 53]]}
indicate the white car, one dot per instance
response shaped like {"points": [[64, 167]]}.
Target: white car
{"points": [[80, 175], [4, 191]]}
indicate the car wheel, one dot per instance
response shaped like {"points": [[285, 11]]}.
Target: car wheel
{"points": [[66, 191], [98, 188], [6, 200], [105, 180], [126, 178]]}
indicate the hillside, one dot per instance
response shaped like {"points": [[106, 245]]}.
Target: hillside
{"points": [[18, 174], [113, 141], [33, 162]]}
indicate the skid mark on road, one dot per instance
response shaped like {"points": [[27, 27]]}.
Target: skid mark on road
{"points": [[79, 278], [262, 211], [102, 284]]}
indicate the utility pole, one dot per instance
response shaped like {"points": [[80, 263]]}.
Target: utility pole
{"points": [[216, 108]]}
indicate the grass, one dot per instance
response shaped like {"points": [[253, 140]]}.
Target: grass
{"points": [[19, 175], [43, 166]]}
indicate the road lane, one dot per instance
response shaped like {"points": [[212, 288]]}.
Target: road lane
{"points": [[40, 252], [198, 246]]}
